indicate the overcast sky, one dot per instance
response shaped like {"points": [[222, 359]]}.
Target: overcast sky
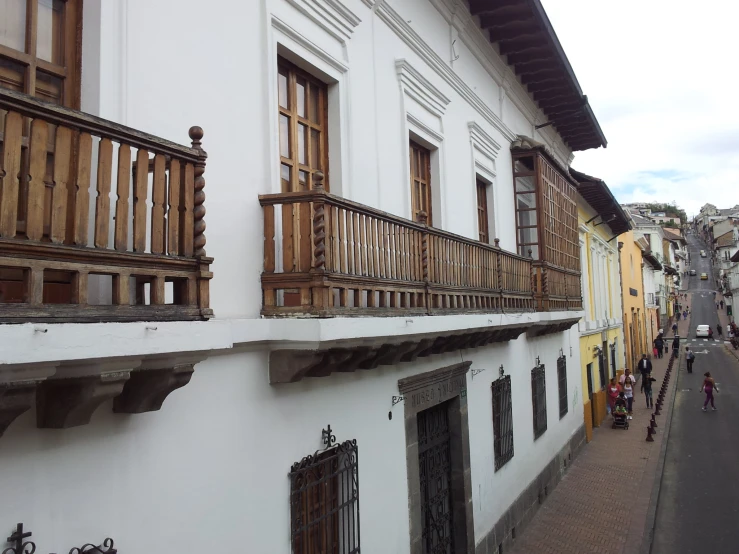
{"points": [[661, 77]]}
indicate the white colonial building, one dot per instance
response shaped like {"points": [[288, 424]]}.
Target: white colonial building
{"points": [[382, 313]]}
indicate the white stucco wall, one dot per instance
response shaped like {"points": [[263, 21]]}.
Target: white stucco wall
{"points": [[201, 68], [211, 467]]}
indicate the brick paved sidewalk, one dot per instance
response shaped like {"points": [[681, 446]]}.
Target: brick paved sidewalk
{"points": [[603, 502]]}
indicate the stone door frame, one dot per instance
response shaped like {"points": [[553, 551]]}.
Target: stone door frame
{"points": [[421, 392]]}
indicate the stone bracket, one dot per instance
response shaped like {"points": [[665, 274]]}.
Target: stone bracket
{"points": [[146, 390], [15, 399], [64, 403], [289, 366]]}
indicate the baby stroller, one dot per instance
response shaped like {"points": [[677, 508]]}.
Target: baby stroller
{"points": [[620, 420]]}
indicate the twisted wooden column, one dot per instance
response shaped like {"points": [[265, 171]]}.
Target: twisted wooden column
{"points": [[202, 293], [196, 134], [319, 225]]}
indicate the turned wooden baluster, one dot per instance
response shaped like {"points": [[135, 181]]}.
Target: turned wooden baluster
{"points": [[196, 134], [499, 264], [423, 220], [319, 225]]}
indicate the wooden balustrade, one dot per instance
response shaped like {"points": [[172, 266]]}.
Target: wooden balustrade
{"points": [[86, 200], [326, 256], [556, 288]]}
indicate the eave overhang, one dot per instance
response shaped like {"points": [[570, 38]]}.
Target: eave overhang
{"points": [[597, 194], [523, 34]]}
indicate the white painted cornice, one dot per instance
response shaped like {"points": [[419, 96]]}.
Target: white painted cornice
{"points": [[309, 45], [420, 89], [331, 15], [483, 141], [406, 33]]}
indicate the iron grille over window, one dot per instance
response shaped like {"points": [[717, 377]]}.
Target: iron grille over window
{"points": [[613, 360], [324, 502], [562, 381], [502, 421], [539, 398]]}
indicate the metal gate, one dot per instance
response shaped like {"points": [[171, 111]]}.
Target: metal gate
{"points": [[435, 471]]}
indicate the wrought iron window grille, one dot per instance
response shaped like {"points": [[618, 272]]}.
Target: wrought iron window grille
{"points": [[19, 544], [324, 499], [562, 382], [539, 400], [502, 421]]}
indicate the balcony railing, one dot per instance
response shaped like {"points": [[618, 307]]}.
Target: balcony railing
{"points": [[556, 288], [85, 233], [327, 256]]}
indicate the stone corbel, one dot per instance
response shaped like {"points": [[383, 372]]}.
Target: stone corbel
{"points": [[18, 390], [150, 385], [77, 390]]}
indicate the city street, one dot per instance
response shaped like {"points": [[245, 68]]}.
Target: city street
{"points": [[697, 510]]}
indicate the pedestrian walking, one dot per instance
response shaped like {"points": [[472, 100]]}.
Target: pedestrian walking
{"points": [[709, 385], [719, 330], [690, 357], [674, 328], [645, 366], [678, 316], [721, 304], [659, 344], [613, 390], [676, 346], [627, 384], [646, 388]]}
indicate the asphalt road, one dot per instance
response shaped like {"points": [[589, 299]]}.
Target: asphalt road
{"points": [[698, 509]]}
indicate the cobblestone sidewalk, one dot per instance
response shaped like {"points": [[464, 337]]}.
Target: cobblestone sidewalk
{"points": [[605, 502]]}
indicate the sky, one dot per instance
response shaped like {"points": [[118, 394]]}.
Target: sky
{"points": [[661, 77]]}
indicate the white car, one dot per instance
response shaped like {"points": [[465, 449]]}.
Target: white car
{"points": [[701, 331]]}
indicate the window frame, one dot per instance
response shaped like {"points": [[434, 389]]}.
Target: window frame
{"points": [[562, 386], [69, 72], [295, 120], [539, 400], [483, 213], [328, 521], [424, 180], [503, 438]]}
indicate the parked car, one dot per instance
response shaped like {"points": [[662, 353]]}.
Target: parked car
{"points": [[701, 331], [692, 272], [703, 253], [704, 276]]}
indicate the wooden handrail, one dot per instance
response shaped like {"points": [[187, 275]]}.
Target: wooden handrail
{"points": [[59, 115]]}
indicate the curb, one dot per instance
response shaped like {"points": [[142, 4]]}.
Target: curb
{"points": [[646, 546]]}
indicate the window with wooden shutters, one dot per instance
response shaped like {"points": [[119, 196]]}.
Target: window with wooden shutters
{"points": [[562, 384], [420, 181], [40, 49], [502, 421], [539, 400], [482, 211], [324, 502], [303, 127]]}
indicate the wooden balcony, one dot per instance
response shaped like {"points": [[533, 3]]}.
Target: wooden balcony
{"points": [[85, 234], [556, 288], [326, 256]]}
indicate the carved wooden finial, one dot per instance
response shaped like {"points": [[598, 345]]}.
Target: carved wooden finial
{"points": [[497, 243], [423, 217], [318, 180], [196, 135]]}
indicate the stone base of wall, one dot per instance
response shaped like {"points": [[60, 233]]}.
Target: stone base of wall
{"points": [[587, 409], [520, 513]]}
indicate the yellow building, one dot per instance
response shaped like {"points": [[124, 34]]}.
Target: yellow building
{"points": [[601, 220], [635, 325]]}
